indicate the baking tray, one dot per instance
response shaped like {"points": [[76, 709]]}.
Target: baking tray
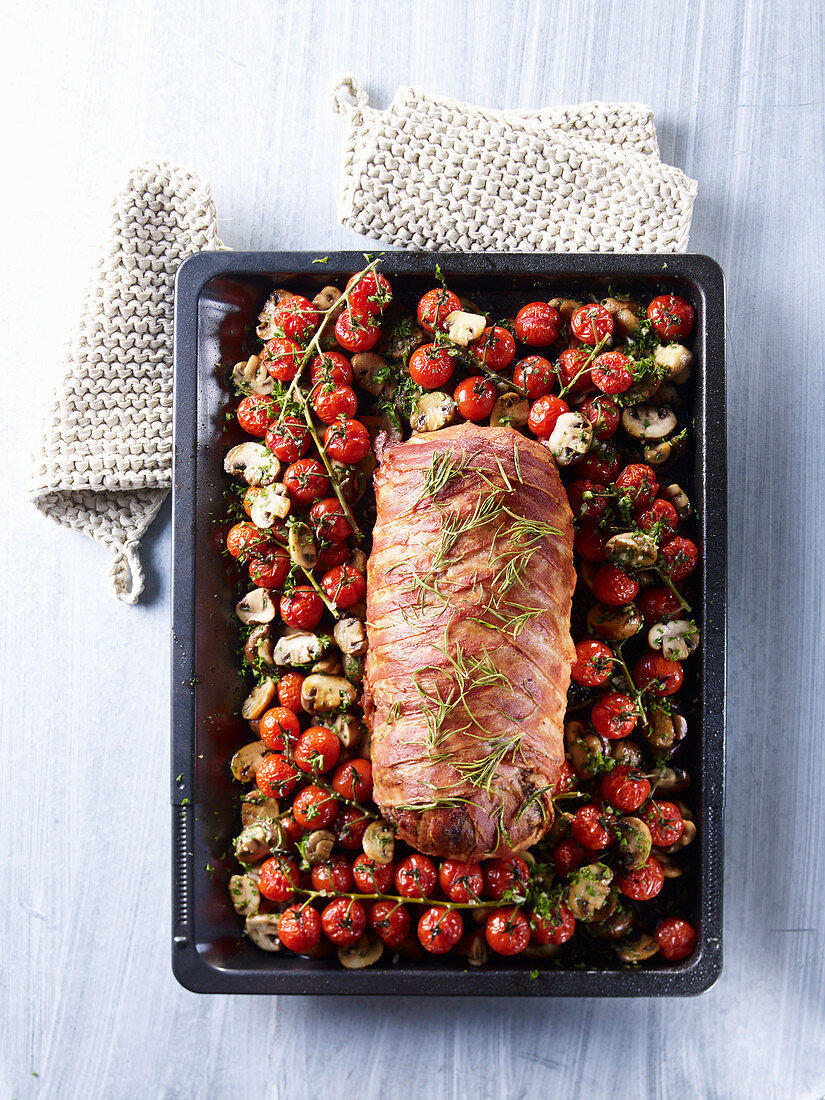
{"points": [[217, 298]]}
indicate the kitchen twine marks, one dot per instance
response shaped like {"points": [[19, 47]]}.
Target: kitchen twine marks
{"points": [[430, 172], [106, 462]]}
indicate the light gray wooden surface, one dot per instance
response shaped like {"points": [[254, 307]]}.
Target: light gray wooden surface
{"points": [[237, 90]]}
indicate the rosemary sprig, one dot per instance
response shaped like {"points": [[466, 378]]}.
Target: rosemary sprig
{"points": [[444, 467]]}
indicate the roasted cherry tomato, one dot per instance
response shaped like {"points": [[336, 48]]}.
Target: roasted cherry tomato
{"points": [[567, 778], [624, 789], [644, 884], [495, 348], [256, 414], [591, 324], [665, 821], [588, 499], [335, 553], [503, 873], [671, 317], [440, 929], [431, 366], [475, 398], [314, 808], [356, 333], [334, 876], [391, 922], [659, 517], [544, 412], [344, 921], [612, 372], [658, 675], [289, 691], [435, 307], [603, 415], [590, 542], [371, 877], [507, 930], [601, 463], [302, 607], [292, 829], [347, 441], [330, 368], [680, 557], [279, 727], [353, 780], [329, 404], [344, 586], [614, 587], [557, 928], [574, 372], [416, 876], [276, 777], [318, 749], [593, 664], [638, 483], [658, 604], [350, 826], [245, 540], [568, 855], [306, 480], [589, 827], [289, 439], [369, 294], [535, 376], [299, 928], [537, 324], [329, 520], [461, 881], [676, 939], [279, 877], [614, 716], [282, 358], [271, 571], [296, 317]]}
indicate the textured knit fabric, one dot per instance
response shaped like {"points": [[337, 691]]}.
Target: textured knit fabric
{"points": [[433, 173], [106, 464]]}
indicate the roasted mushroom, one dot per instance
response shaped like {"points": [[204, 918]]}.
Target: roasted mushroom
{"points": [[250, 374], [626, 753], [676, 639], [565, 306], [258, 647], [297, 647], [664, 730], [589, 893], [676, 359], [346, 728], [270, 504], [585, 751], [365, 367], [510, 411], [252, 463], [350, 636], [631, 550], [678, 498], [317, 846], [634, 842], [245, 895], [302, 548], [664, 452], [379, 842], [463, 328], [262, 929], [615, 623], [622, 310], [571, 438], [255, 841], [649, 422], [639, 950], [320, 693], [365, 952], [434, 411], [259, 699], [257, 606], [244, 764], [256, 806]]}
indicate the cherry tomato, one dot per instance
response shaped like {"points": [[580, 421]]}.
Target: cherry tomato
{"points": [[306, 480], [589, 827], [475, 398], [347, 441], [292, 829], [590, 543], [665, 821], [279, 877], [370, 294], [507, 930], [537, 324], [659, 516], [371, 877], [344, 921], [614, 716], [336, 553], [624, 789], [356, 333], [591, 324], [572, 372], [330, 368], [289, 691], [544, 412], [276, 777], [495, 348], [299, 928], [612, 372], [329, 520], [671, 316], [440, 929], [318, 749], [271, 571], [289, 439], [279, 727], [658, 675], [435, 307], [314, 808], [431, 366], [245, 540], [390, 921], [601, 463], [256, 413], [557, 928], [568, 855], [344, 586], [603, 415], [638, 483], [461, 881], [567, 778], [588, 499], [680, 558], [658, 604], [535, 376], [296, 317], [614, 587], [334, 876], [503, 873], [353, 780], [416, 876], [329, 404], [593, 664], [350, 826], [644, 884], [676, 939], [302, 607]]}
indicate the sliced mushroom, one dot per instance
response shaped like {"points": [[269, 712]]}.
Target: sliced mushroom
{"points": [[623, 314], [255, 726], [317, 846], [626, 753], [262, 929], [256, 806], [358, 561], [676, 639], [257, 606], [614, 927], [379, 842], [347, 729], [510, 411], [664, 730], [463, 328], [327, 298], [404, 339], [365, 367], [297, 647], [302, 548], [255, 841], [638, 950], [367, 951], [585, 751], [571, 438], [565, 306], [258, 646], [250, 374], [266, 330], [320, 693], [351, 480], [649, 422], [642, 388], [350, 636], [672, 780], [634, 842], [252, 463], [244, 764], [670, 868], [664, 452], [631, 550], [354, 668], [330, 664], [259, 699], [678, 498], [667, 394], [270, 504], [688, 835], [615, 623], [245, 895], [473, 947], [589, 893], [434, 411], [676, 359]]}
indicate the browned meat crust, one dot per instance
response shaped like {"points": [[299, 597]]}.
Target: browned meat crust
{"points": [[468, 617]]}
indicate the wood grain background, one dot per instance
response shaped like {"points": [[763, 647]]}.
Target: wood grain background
{"points": [[237, 90]]}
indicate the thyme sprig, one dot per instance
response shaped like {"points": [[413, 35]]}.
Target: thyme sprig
{"points": [[598, 347], [443, 904]]}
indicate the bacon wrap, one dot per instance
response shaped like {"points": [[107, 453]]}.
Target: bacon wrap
{"points": [[466, 718]]}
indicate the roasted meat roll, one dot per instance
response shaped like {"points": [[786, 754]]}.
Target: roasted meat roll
{"points": [[469, 587]]}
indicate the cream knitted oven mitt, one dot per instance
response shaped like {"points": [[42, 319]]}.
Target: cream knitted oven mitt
{"points": [[106, 463]]}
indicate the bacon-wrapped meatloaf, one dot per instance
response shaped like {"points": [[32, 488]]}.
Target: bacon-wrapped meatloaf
{"points": [[469, 586]]}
